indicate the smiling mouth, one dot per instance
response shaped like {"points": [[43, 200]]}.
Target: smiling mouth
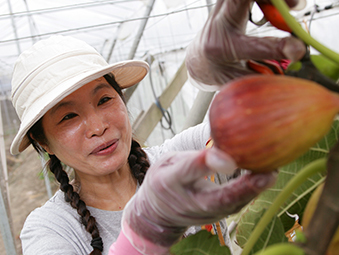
{"points": [[104, 147]]}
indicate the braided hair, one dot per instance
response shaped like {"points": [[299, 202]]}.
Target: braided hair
{"points": [[137, 160]]}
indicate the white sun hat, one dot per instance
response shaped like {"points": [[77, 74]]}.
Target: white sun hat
{"points": [[54, 68]]}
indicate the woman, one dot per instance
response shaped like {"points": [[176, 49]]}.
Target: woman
{"points": [[71, 107], [70, 104]]}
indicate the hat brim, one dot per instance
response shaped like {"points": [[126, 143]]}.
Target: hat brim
{"points": [[126, 73]]}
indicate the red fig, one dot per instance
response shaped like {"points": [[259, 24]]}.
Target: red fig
{"points": [[267, 121]]}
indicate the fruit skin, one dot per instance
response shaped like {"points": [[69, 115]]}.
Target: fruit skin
{"points": [[333, 248], [267, 121]]}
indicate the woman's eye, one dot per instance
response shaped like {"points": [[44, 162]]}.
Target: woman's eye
{"points": [[104, 100], [68, 116]]}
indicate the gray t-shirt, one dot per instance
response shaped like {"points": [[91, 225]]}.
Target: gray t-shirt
{"points": [[55, 228]]}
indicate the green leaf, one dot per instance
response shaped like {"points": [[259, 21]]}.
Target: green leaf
{"points": [[298, 200], [273, 233], [202, 243]]}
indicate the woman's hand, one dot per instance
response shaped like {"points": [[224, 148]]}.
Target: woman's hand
{"points": [[175, 195], [217, 54]]}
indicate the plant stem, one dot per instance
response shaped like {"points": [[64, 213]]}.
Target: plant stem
{"points": [[310, 169], [282, 249], [301, 33]]}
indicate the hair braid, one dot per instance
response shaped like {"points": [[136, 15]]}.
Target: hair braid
{"points": [[138, 161], [73, 198]]}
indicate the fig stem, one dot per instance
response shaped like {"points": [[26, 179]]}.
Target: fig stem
{"points": [[310, 169], [301, 33], [282, 249]]}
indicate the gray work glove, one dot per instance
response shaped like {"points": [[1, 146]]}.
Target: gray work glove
{"points": [[175, 195], [218, 53]]}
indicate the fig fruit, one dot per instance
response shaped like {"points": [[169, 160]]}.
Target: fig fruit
{"points": [[267, 121], [333, 248]]}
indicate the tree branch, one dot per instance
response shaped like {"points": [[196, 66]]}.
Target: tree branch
{"points": [[325, 219]]}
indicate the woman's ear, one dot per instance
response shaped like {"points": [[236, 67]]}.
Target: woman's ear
{"points": [[42, 145]]}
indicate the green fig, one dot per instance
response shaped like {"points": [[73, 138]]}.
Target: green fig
{"points": [[267, 121], [326, 66], [323, 64]]}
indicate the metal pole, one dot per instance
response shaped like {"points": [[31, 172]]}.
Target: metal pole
{"points": [[146, 123], [209, 5], [198, 111], [13, 25], [3, 154], [5, 217], [5, 227], [114, 43], [129, 91], [201, 102], [111, 50], [7, 118], [30, 22], [141, 29]]}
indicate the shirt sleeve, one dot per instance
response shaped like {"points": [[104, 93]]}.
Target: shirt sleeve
{"points": [[202, 86], [43, 235], [193, 138]]}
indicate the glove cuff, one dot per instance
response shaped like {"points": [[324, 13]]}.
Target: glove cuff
{"points": [[122, 246], [140, 243]]}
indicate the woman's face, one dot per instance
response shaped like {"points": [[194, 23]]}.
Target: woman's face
{"points": [[89, 130]]}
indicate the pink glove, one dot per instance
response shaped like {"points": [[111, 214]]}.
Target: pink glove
{"points": [[175, 195], [214, 57]]}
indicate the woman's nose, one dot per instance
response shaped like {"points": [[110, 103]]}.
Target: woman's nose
{"points": [[95, 124]]}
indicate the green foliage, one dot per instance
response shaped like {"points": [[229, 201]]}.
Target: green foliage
{"points": [[295, 204], [202, 243], [49, 174], [273, 233], [282, 249], [300, 237]]}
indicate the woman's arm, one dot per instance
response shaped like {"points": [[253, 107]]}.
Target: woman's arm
{"points": [[193, 138], [175, 195]]}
